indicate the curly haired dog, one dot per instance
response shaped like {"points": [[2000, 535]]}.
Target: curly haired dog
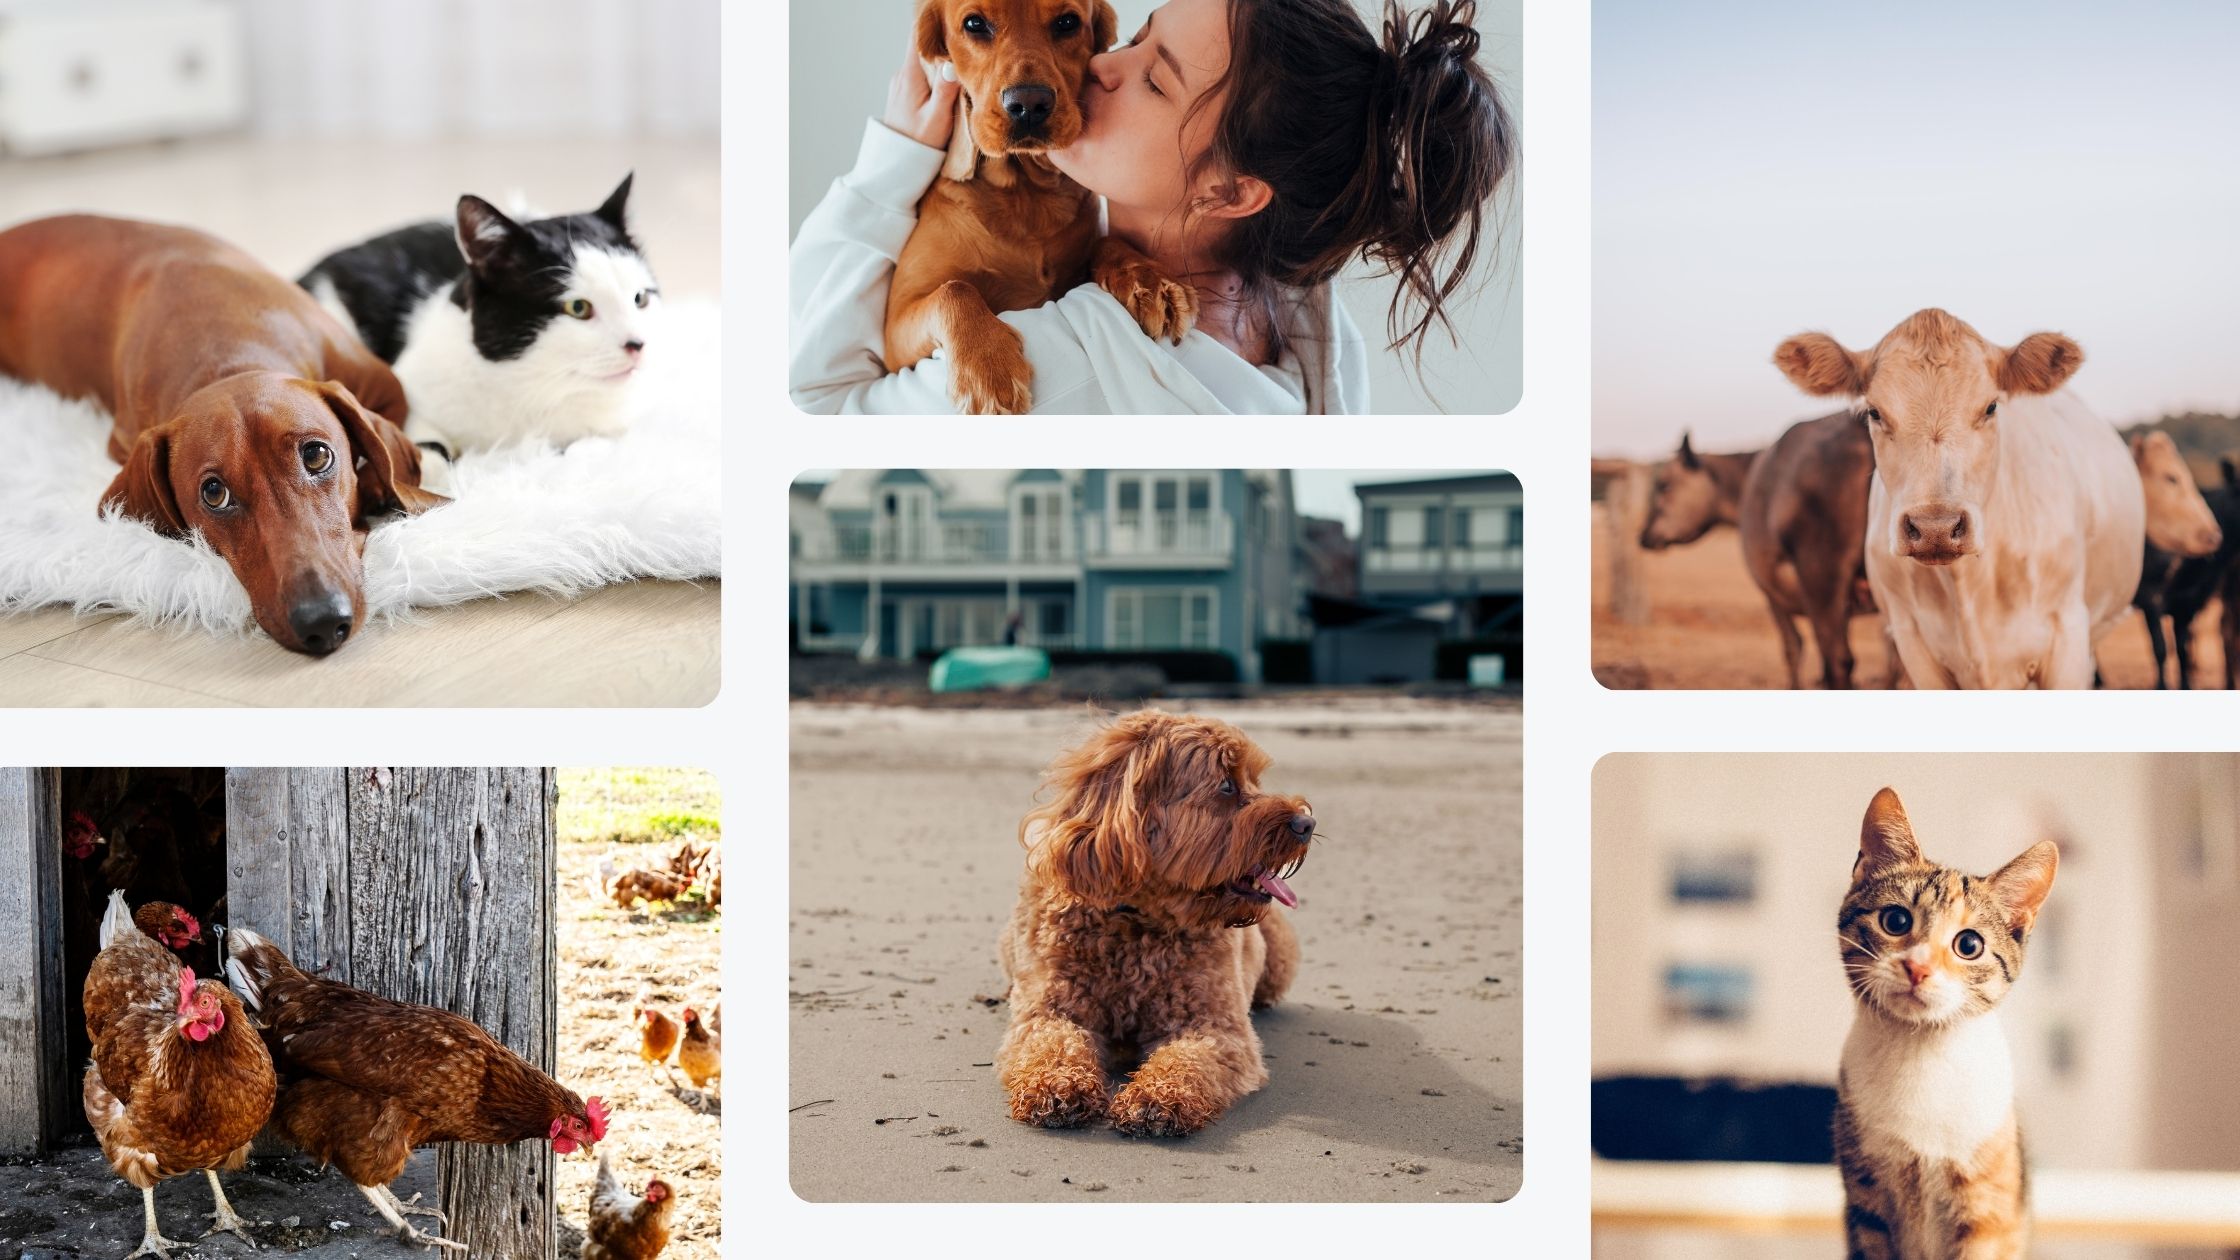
{"points": [[1145, 927]]}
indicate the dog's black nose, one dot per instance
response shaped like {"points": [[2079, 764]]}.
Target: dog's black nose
{"points": [[1302, 825], [321, 620], [1030, 106]]}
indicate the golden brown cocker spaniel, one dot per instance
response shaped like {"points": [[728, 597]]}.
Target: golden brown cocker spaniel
{"points": [[1145, 927]]}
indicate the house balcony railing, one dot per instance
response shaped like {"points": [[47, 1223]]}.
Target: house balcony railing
{"points": [[950, 544], [1489, 558], [1155, 539]]}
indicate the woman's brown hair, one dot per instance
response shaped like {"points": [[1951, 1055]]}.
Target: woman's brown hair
{"points": [[1388, 150]]}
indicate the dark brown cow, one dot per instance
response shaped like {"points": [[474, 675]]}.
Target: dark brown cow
{"points": [[1803, 518], [1693, 493]]}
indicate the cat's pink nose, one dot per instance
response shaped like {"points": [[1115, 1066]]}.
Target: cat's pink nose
{"points": [[633, 347], [1916, 971]]}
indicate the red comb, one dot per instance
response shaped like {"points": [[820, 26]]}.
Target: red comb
{"points": [[186, 986], [194, 929], [596, 1113]]}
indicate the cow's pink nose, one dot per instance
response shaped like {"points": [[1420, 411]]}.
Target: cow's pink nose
{"points": [[1937, 532]]}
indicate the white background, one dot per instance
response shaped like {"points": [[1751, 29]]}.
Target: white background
{"points": [[742, 736]]}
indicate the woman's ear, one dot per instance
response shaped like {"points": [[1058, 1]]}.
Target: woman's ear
{"points": [[1238, 198]]}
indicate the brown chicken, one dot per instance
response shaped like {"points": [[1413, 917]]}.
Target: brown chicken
{"points": [[700, 1054], [633, 886], [179, 1081], [174, 928], [368, 1079], [625, 1226], [657, 1037]]}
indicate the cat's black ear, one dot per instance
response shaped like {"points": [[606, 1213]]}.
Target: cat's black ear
{"points": [[1885, 838], [484, 231], [2021, 885], [612, 209]]}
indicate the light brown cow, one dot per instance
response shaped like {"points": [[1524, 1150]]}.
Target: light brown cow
{"points": [[2005, 522]]}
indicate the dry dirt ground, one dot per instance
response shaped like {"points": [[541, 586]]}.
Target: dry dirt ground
{"points": [[1709, 628], [608, 958], [1395, 1061], [74, 1207]]}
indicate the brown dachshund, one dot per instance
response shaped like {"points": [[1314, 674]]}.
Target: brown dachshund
{"points": [[1002, 229], [241, 408]]}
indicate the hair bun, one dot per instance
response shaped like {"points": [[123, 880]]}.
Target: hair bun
{"points": [[1432, 38]]}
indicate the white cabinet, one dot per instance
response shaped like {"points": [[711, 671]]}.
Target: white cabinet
{"points": [[87, 73]]}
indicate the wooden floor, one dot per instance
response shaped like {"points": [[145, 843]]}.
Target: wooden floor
{"points": [[653, 644]]}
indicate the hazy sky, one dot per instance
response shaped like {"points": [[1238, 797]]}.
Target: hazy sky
{"points": [[1764, 168]]}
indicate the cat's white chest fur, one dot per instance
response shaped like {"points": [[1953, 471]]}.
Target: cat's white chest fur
{"points": [[1940, 1093]]}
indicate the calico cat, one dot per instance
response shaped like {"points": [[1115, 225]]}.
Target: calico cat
{"points": [[1925, 1129], [502, 331]]}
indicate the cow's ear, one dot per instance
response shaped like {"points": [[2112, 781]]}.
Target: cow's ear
{"points": [[1688, 458], [1817, 364], [2230, 469], [2040, 364]]}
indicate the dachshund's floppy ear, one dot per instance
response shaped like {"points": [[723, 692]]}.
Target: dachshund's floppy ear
{"points": [[143, 486], [388, 462]]}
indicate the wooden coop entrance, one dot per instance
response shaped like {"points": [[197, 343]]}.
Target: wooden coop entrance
{"points": [[426, 885]]}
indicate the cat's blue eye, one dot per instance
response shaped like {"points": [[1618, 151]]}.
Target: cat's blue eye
{"points": [[1896, 920], [1969, 944], [577, 308]]}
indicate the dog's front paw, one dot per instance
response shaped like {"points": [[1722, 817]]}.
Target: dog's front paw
{"points": [[1161, 1109], [1061, 1097], [1161, 306], [992, 379]]}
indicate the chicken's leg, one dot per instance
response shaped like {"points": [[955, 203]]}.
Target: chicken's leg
{"points": [[405, 1208], [380, 1197], [153, 1243], [227, 1222]]}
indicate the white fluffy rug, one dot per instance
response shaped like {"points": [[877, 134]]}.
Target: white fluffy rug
{"points": [[645, 505]]}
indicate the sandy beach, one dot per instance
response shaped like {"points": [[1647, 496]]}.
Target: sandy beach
{"points": [[1394, 1063]]}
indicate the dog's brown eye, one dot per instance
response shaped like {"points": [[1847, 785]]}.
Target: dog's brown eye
{"points": [[1067, 23], [977, 26], [1228, 787], [214, 494], [317, 457]]}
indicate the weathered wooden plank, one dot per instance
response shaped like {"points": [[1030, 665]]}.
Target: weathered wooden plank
{"points": [[452, 882], [33, 1071], [287, 862]]}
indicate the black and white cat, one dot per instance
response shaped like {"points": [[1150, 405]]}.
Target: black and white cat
{"points": [[502, 331]]}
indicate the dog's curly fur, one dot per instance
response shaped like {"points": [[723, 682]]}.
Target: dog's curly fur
{"points": [[1144, 928]]}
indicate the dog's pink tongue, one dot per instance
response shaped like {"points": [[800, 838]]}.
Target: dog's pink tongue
{"points": [[1273, 885]]}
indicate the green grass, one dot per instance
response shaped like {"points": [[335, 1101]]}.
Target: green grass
{"points": [[639, 805]]}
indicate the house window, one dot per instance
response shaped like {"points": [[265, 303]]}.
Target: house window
{"points": [[1039, 525], [1462, 529], [1155, 618], [1128, 504], [1434, 528], [1053, 620], [1379, 526], [1516, 527]]}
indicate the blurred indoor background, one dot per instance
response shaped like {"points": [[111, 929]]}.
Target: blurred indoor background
{"points": [[293, 129], [1720, 1007]]}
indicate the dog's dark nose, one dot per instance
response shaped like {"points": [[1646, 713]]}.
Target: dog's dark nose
{"points": [[321, 620], [1302, 825], [1029, 106]]}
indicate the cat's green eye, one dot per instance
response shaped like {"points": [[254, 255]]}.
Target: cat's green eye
{"points": [[1969, 944], [577, 308], [1896, 920]]}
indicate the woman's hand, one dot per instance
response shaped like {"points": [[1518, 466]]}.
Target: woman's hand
{"points": [[925, 111]]}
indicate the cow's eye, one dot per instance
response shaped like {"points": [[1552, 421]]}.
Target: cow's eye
{"points": [[977, 26], [215, 495], [317, 457], [1991, 411], [1067, 23], [1872, 415]]}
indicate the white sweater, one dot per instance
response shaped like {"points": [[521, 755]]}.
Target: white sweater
{"points": [[1089, 356]]}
